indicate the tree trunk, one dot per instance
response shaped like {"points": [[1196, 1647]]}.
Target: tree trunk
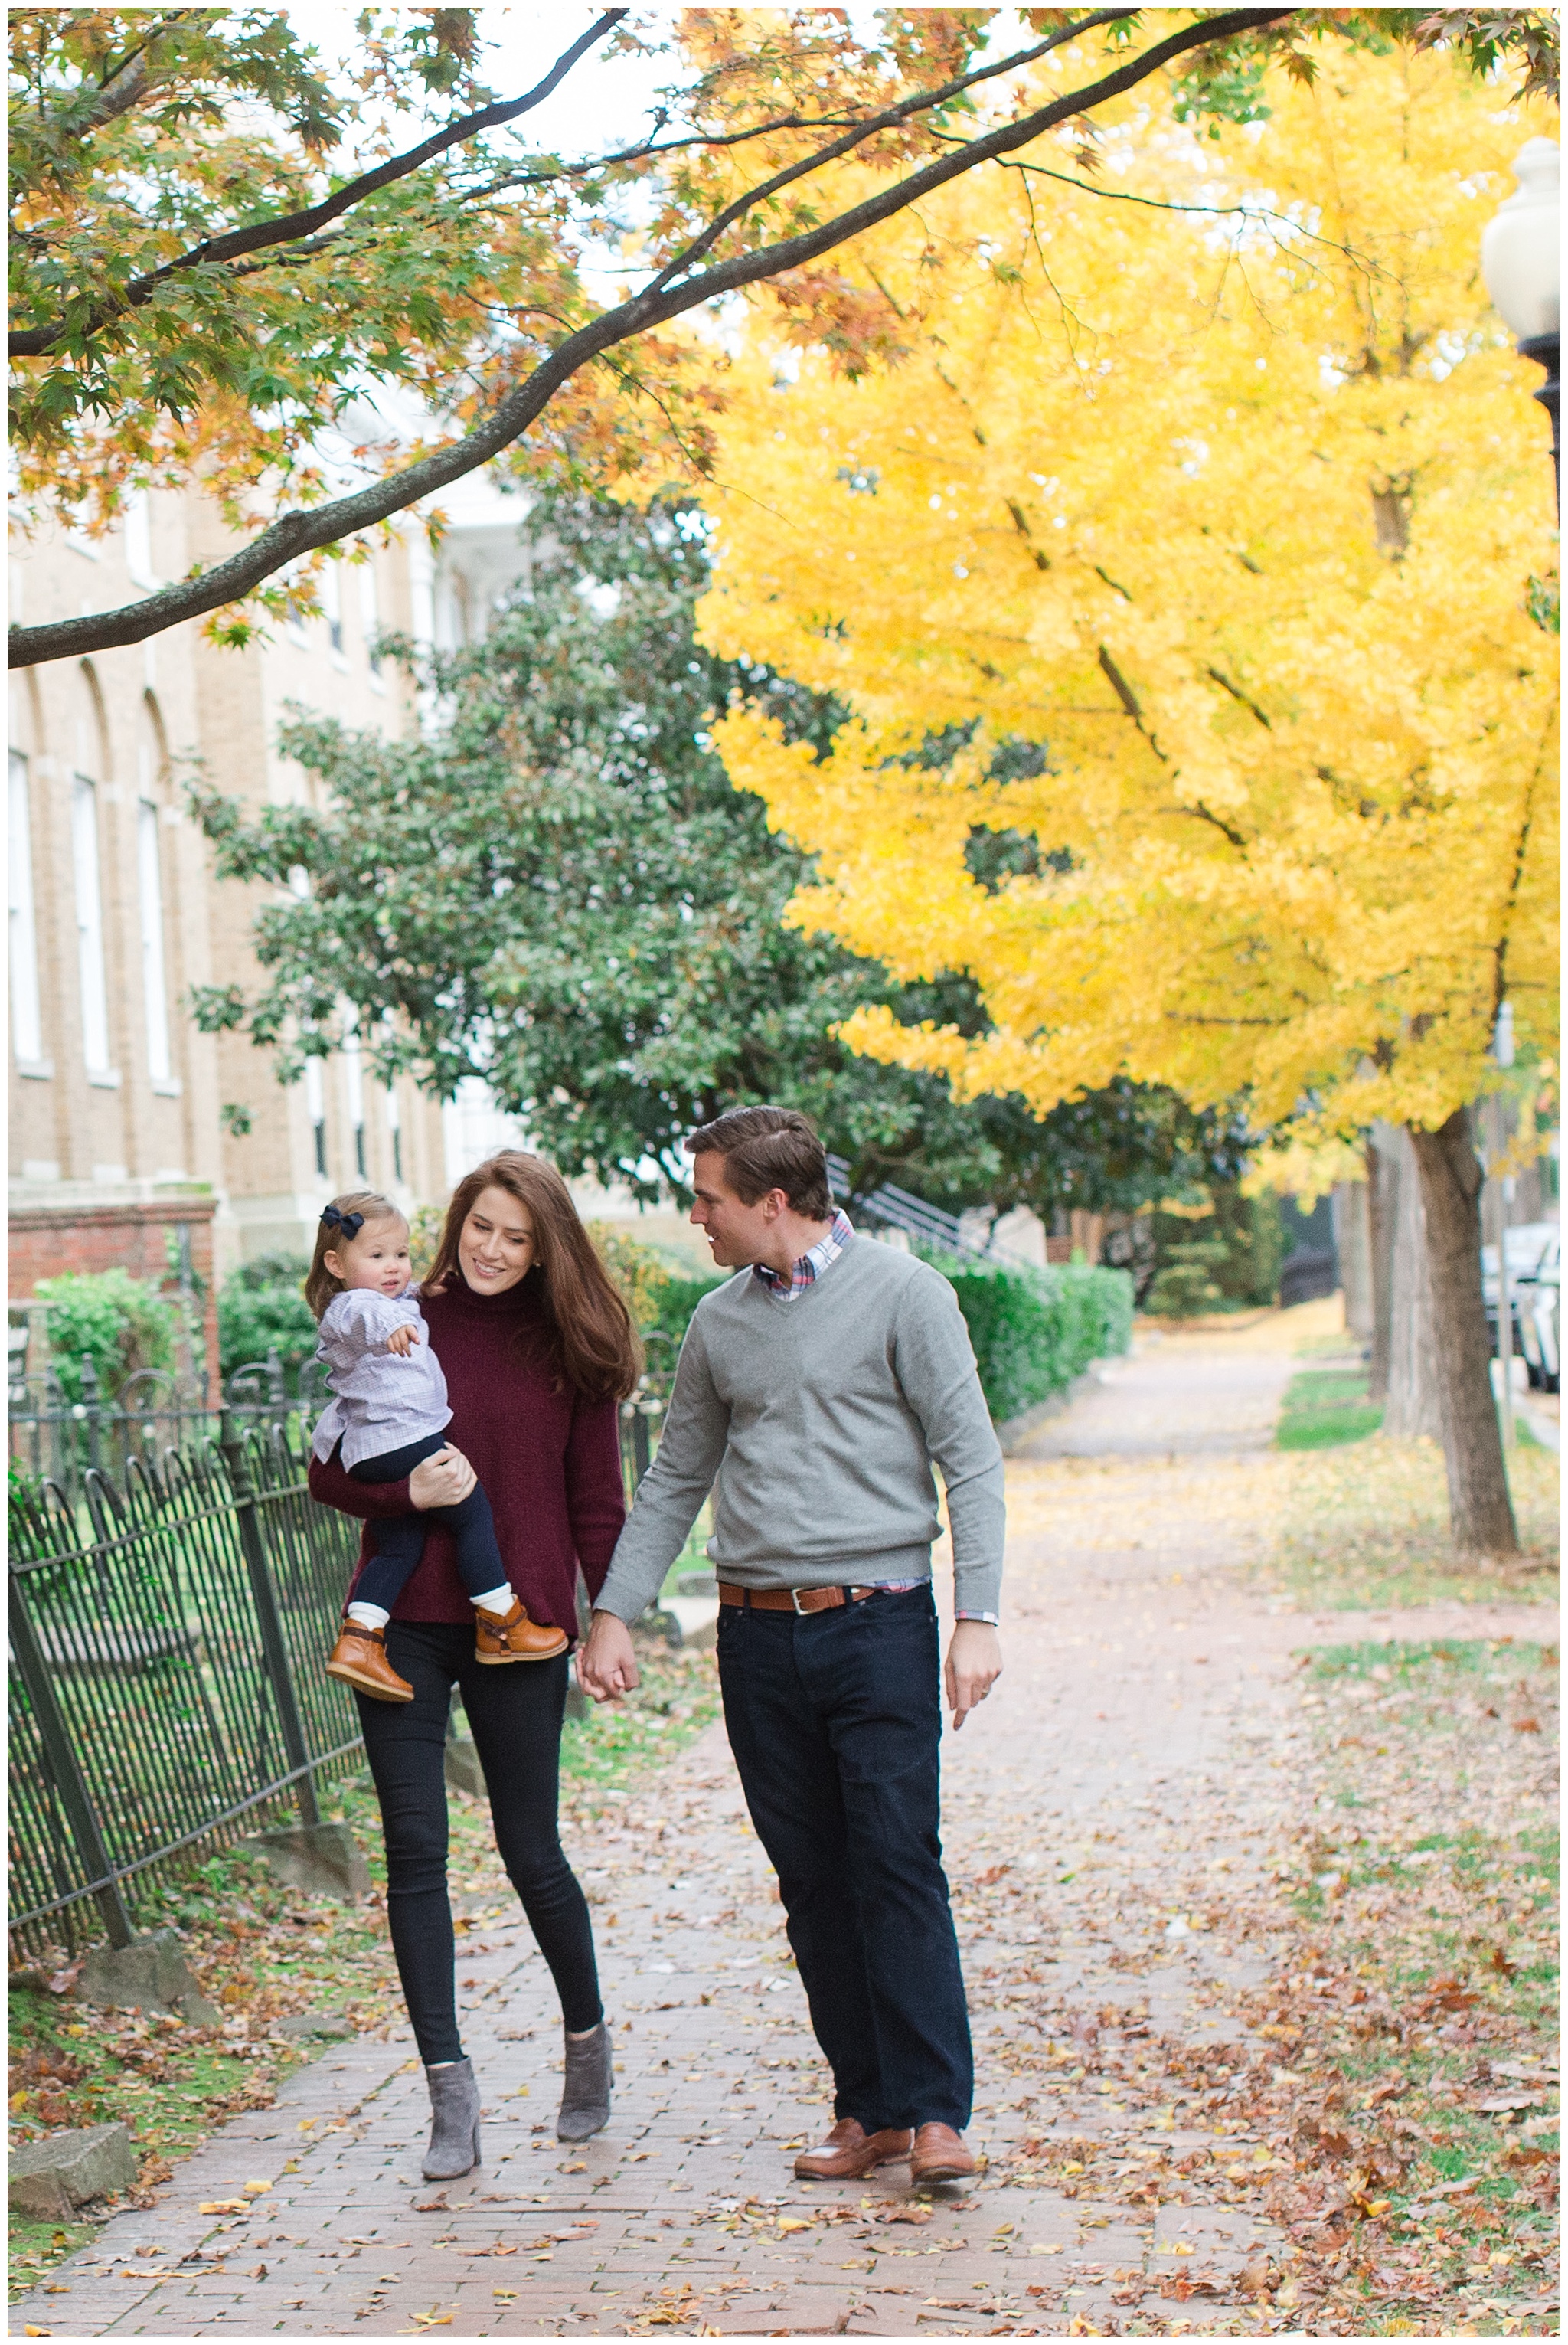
{"points": [[1352, 1245], [1411, 1411], [1380, 1195], [1480, 1509]]}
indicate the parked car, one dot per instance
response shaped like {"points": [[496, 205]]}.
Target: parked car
{"points": [[1534, 1281]]}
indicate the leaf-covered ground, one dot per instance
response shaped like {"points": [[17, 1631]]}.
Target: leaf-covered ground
{"points": [[1253, 1873], [1366, 1526], [267, 1954]]}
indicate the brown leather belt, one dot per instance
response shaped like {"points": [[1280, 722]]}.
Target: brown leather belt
{"points": [[791, 1599]]}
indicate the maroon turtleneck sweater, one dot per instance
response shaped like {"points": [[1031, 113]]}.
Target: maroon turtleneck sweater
{"points": [[550, 1462]]}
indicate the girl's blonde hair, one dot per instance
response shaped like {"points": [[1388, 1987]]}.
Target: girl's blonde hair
{"points": [[321, 1284]]}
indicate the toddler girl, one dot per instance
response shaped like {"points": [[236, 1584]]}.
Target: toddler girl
{"points": [[389, 1412]]}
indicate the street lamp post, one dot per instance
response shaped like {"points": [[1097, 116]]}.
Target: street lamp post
{"points": [[1502, 1194], [1520, 261]]}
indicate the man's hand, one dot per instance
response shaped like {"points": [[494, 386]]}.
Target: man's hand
{"points": [[606, 1666], [402, 1341], [444, 1479], [974, 1665]]}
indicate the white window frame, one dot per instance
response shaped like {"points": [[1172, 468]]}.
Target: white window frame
{"points": [[91, 965], [354, 1093], [329, 593], [155, 976], [316, 1111], [139, 538], [370, 621], [26, 998]]}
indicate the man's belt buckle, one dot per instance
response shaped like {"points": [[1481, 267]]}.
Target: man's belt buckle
{"points": [[794, 1596]]}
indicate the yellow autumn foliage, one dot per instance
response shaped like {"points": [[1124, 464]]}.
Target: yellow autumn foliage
{"points": [[1233, 515]]}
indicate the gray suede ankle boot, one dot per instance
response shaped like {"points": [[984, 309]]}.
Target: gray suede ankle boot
{"points": [[590, 2074], [454, 2133]]}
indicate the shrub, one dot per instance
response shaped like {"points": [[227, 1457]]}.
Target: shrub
{"points": [[425, 1237], [1186, 1288], [260, 1309], [120, 1323], [1225, 1259], [661, 1300], [1035, 1330]]}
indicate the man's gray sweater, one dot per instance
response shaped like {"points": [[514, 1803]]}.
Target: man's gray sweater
{"points": [[819, 1419]]}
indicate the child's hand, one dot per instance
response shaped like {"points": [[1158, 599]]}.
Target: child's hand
{"points": [[402, 1341]]}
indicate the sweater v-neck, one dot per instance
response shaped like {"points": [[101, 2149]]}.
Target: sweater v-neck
{"points": [[788, 1302]]}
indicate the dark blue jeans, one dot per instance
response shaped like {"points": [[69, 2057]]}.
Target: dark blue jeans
{"points": [[835, 1719]]}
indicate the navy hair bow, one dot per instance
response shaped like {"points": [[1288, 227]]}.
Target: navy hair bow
{"points": [[349, 1223]]}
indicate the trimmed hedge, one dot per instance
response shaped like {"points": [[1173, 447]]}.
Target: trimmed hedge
{"points": [[1035, 1330]]}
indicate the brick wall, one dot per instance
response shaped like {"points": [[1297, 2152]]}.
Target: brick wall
{"points": [[47, 1241]]}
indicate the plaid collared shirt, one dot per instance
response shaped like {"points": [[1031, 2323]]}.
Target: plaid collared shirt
{"points": [[803, 1273], [810, 1267]]}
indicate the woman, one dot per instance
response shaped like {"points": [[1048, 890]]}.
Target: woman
{"points": [[538, 1349]]}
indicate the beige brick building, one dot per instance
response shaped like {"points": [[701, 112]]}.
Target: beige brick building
{"points": [[116, 1099]]}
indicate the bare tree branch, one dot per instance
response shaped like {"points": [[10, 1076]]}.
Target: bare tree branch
{"points": [[38, 341], [920, 102], [300, 533]]}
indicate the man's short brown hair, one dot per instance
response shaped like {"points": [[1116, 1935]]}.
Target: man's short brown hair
{"points": [[768, 1148]]}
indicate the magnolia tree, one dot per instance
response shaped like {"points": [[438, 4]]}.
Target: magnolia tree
{"points": [[1214, 475], [223, 248]]}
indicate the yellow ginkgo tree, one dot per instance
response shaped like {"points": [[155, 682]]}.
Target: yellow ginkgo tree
{"points": [[1202, 548]]}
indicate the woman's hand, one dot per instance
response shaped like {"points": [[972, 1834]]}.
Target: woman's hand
{"points": [[606, 1666], [444, 1479]]}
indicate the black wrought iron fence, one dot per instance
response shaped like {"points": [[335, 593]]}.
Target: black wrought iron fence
{"points": [[168, 1626], [166, 1636], [50, 1436]]}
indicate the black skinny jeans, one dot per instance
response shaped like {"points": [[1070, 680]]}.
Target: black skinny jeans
{"points": [[514, 1711]]}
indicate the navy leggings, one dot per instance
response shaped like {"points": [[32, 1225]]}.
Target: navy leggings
{"points": [[400, 1539]]}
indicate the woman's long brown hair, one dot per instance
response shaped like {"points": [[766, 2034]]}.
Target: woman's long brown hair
{"points": [[588, 1325]]}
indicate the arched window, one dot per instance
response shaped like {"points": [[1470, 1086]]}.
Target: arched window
{"points": [[150, 766], [86, 773], [27, 1004]]}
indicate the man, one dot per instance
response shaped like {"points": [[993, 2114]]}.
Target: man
{"points": [[816, 1390]]}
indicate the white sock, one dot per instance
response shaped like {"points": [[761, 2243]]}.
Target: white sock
{"points": [[370, 1616], [494, 1599]]}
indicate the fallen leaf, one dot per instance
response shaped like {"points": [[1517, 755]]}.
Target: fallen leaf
{"points": [[224, 2207]]}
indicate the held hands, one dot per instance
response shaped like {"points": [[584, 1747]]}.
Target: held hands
{"points": [[444, 1479], [974, 1665], [606, 1666], [402, 1341]]}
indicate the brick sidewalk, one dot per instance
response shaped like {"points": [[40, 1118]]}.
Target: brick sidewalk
{"points": [[1140, 1743]]}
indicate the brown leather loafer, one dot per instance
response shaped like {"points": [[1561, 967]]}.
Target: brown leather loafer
{"points": [[850, 2151], [939, 2155], [359, 1659]]}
